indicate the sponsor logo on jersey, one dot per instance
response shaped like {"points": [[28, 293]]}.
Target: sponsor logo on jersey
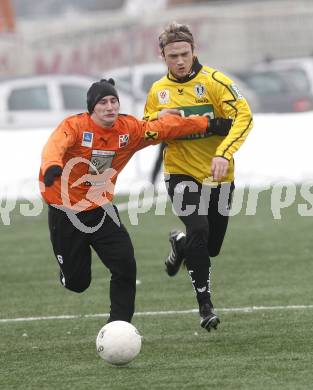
{"points": [[123, 140], [164, 96], [151, 135], [236, 91], [100, 161], [200, 90], [203, 110], [202, 100], [87, 139]]}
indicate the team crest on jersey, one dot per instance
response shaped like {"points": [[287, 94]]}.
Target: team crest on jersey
{"points": [[164, 96], [200, 90], [123, 140], [87, 139]]}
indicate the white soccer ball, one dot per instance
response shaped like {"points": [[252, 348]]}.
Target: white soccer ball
{"points": [[118, 342]]}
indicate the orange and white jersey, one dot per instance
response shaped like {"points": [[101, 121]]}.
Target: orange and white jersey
{"points": [[92, 156]]}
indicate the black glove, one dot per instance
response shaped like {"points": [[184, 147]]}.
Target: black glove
{"points": [[220, 126], [51, 173]]}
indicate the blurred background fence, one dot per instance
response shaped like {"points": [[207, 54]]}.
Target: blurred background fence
{"points": [[51, 36]]}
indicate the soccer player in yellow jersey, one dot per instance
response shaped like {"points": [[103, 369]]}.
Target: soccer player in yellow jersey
{"points": [[199, 170]]}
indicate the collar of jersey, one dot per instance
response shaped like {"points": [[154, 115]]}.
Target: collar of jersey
{"points": [[195, 69]]}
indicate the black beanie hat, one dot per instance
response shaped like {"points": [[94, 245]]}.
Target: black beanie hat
{"points": [[99, 90]]}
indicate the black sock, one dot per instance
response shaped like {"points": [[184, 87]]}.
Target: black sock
{"points": [[200, 279]]}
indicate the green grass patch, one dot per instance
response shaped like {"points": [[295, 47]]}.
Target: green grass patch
{"points": [[264, 262]]}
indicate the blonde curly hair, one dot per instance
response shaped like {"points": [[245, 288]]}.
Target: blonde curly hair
{"points": [[175, 32]]}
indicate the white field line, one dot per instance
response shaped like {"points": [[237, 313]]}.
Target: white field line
{"points": [[159, 313]]}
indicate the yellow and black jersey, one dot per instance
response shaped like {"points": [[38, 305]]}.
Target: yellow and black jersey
{"points": [[209, 92]]}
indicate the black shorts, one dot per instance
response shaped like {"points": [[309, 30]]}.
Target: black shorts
{"points": [[201, 208], [112, 243]]}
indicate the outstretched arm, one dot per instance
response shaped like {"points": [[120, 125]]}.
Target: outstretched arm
{"points": [[170, 127], [175, 127]]}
